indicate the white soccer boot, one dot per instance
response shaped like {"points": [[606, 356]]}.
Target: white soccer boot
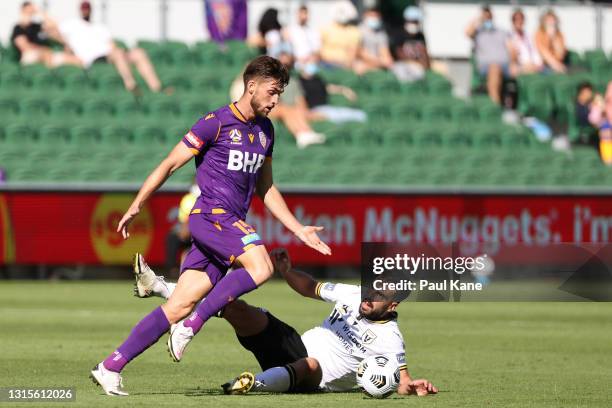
{"points": [[146, 282], [110, 381], [179, 338]]}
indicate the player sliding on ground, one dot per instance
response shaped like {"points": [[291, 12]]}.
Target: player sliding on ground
{"points": [[325, 357], [232, 147]]}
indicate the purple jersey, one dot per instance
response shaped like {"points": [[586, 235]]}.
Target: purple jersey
{"points": [[230, 152]]}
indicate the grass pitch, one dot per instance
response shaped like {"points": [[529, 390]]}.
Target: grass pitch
{"points": [[478, 354]]}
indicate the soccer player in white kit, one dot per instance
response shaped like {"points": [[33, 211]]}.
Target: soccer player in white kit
{"points": [[325, 357]]}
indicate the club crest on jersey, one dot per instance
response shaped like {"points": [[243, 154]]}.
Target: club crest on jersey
{"points": [[235, 136], [368, 337], [262, 139], [251, 137]]}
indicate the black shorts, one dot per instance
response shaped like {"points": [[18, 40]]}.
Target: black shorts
{"points": [[278, 345]]}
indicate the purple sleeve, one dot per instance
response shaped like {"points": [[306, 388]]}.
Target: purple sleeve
{"points": [[270, 148], [204, 132]]}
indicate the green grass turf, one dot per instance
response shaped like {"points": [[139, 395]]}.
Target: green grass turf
{"points": [[478, 354]]}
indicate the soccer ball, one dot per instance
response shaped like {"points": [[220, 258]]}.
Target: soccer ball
{"points": [[378, 376]]}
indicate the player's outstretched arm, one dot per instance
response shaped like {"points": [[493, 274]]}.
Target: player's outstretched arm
{"points": [[180, 155], [274, 201], [299, 281], [420, 387]]}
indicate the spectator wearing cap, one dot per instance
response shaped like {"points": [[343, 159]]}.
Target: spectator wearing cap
{"points": [[492, 52], [409, 47], [526, 57], [93, 43], [340, 40], [374, 48], [32, 42], [550, 42]]}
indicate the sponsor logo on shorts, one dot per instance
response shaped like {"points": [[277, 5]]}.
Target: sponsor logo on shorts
{"points": [[235, 136], [247, 239], [194, 140]]}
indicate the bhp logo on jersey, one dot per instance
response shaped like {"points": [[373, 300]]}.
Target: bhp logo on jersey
{"points": [[246, 162]]}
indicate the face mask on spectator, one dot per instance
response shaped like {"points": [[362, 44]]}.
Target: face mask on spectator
{"points": [[37, 18], [373, 23], [310, 69], [487, 25], [412, 28]]}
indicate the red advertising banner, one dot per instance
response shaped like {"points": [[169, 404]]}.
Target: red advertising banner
{"points": [[68, 227]]}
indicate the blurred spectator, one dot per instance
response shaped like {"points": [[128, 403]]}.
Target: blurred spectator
{"points": [[600, 116], [179, 237], [226, 19], [305, 41], [550, 42], [269, 32], [340, 40], [316, 100], [392, 10], [526, 57], [374, 48], [93, 43], [584, 98], [492, 50], [409, 48], [33, 44], [582, 109]]}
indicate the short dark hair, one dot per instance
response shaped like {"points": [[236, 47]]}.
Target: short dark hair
{"points": [[584, 85], [25, 4], [268, 68]]}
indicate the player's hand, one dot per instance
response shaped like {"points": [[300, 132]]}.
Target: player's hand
{"points": [[422, 387], [308, 235], [280, 260], [125, 221]]}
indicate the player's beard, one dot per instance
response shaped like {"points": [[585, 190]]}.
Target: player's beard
{"points": [[259, 107], [373, 314]]}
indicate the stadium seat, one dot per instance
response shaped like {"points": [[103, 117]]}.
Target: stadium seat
{"points": [[85, 136], [98, 108], [33, 106], [53, 135], [65, 107]]}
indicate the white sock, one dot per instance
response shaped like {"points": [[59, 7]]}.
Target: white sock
{"points": [[163, 289], [275, 379]]}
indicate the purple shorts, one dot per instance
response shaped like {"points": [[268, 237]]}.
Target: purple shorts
{"points": [[217, 239]]}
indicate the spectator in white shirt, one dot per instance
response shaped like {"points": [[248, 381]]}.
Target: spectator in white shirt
{"points": [[305, 42], [526, 57], [93, 43]]}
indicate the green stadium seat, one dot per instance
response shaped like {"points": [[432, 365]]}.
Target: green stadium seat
{"points": [[33, 107], [19, 134], [53, 135], [65, 107], [8, 106], [164, 106], [98, 108], [84, 135], [149, 135], [116, 135]]}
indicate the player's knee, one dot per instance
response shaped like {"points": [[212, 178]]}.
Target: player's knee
{"points": [[177, 310], [261, 272], [308, 373]]}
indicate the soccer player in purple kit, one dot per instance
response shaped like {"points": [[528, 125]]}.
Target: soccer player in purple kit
{"points": [[232, 147]]}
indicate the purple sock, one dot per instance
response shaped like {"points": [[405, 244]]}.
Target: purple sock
{"points": [[232, 286], [143, 335]]}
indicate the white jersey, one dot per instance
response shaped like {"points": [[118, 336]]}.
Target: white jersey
{"points": [[345, 338]]}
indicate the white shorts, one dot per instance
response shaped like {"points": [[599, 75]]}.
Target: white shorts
{"points": [[337, 374]]}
